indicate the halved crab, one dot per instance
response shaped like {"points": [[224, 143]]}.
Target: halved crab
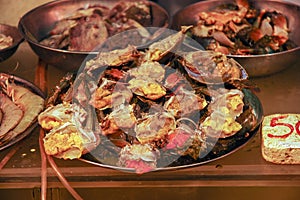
{"points": [[67, 142], [154, 127], [149, 70], [140, 157], [184, 102], [185, 141], [55, 116], [120, 119], [224, 109], [147, 88], [116, 57], [109, 94], [212, 67]]}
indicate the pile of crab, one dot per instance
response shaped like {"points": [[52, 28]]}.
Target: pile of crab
{"points": [[240, 29], [143, 108], [86, 28]]}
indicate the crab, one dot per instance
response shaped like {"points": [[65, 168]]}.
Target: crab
{"points": [[145, 107], [239, 29]]}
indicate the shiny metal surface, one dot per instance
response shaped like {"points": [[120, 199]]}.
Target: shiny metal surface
{"points": [[256, 65], [17, 39], [37, 23]]}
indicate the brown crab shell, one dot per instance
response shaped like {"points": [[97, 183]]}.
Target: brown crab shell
{"points": [[221, 69]]}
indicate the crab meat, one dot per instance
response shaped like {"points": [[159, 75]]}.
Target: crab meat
{"points": [[55, 116], [138, 11], [265, 27], [141, 158], [120, 119], [110, 94], [155, 126], [149, 70], [67, 142], [222, 38], [225, 108], [147, 88], [88, 35], [5, 41], [184, 102], [174, 79], [185, 141]]}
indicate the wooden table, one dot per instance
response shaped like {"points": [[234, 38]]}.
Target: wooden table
{"points": [[242, 171]]}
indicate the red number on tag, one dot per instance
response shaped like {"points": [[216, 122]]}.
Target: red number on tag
{"points": [[274, 122], [297, 127]]}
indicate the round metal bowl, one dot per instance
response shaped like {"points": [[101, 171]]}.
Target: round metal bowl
{"points": [[17, 40], [37, 23], [256, 65]]}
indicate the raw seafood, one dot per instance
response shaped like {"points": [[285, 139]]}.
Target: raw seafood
{"points": [[146, 119], [24, 99], [20, 107], [5, 41], [87, 28], [240, 29], [12, 115]]}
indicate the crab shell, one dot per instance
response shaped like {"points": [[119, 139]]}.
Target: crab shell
{"points": [[211, 67], [147, 88], [140, 157], [149, 70], [67, 142], [184, 102], [110, 94], [224, 109], [119, 120], [156, 126], [55, 116]]}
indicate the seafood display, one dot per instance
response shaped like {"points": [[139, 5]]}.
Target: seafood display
{"points": [[5, 41], [89, 27], [145, 108], [240, 29], [19, 108]]}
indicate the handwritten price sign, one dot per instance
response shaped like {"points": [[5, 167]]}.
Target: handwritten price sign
{"points": [[277, 122]]}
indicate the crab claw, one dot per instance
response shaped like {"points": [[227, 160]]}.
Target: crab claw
{"points": [[223, 39]]}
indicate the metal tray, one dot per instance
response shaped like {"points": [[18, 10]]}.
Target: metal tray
{"points": [[34, 89], [222, 148]]}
